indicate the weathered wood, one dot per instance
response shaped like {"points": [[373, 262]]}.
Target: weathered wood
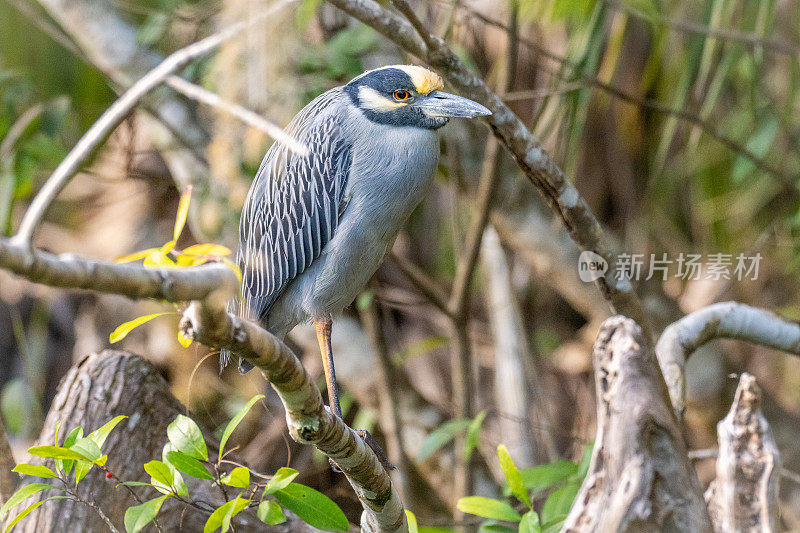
{"points": [[640, 478], [744, 495], [98, 388]]}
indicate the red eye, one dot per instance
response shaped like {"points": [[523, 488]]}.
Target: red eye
{"points": [[401, 95]]}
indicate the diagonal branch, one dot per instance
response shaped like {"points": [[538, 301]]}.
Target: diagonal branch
{"points": [[115, 114]]}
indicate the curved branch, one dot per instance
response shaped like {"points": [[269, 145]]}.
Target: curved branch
{"points": [[728, 320], [537, 164]]}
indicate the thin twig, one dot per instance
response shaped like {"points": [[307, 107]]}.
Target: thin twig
{"points": [[207, 97], [111, 118], [423, 283]]}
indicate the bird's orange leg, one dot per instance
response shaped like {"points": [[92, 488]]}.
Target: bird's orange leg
{"points": [[324, 326]]}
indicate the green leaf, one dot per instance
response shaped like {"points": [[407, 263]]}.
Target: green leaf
{"points": [[138, 516], [364, 300], [99, 435], [188, 465], [473, 433], [159, 472], [439, 437], [313, 507], [530, 523], [186, 436], [178, 484], [239, 477], [183, 211], [235, 422], [412, 522], [87, 448], [280, 480], [271, 513], [123, 329], [28, 510], [135, 484], [57, 452], [557, 505], [488, 508], [34, 470], [513, 475], [544, 476], [583, 466], [221, 517], [496, 528], [21, 494], [72, 436]]}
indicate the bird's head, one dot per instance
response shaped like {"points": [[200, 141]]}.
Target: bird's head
{"points": [[408, 95]]}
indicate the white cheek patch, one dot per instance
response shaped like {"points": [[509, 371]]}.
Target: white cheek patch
{"points": [[375, 101]]}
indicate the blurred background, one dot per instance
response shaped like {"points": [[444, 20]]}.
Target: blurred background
{"points": [[678, 121]]}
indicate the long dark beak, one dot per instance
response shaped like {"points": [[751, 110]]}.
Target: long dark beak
{"points": [[446, 105]]}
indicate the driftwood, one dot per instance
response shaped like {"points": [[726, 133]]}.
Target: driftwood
{"points": [[744, 495], [640, 478], [98, 388]]}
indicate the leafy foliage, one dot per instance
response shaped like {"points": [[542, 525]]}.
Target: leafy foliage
{"points": [[184, 453]]}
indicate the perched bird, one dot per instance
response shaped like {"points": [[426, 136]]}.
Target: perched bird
{"points": [[315, 228]]}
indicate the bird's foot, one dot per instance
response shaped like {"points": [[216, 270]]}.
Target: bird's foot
{"points": [[370, 441]]}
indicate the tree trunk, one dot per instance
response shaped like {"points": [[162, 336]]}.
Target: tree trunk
{"points": [[100, 387], [640, 478]]}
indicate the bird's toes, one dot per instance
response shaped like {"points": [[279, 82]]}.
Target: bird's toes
{"points": [[370, 441]]}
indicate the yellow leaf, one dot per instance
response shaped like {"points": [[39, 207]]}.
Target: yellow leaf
{"points": [[123, 329], [158, 259], [188, 260], [135, 256], [233, 266], [207, 249], [183, 340], [183, 210], [167, 248]]}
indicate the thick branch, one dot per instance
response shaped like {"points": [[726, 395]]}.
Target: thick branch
{"points": [[640, 478], [309, 421], [744, 495], [69, 271], [536, 163], [728, 320]]}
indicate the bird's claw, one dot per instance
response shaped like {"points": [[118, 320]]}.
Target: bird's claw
{"points": [[372, 443]]}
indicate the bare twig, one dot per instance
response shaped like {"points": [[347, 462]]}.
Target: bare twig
{"points": [[209, 98], [730, 320], [424, 284], [116, 113]]}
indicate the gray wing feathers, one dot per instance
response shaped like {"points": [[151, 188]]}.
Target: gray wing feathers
{"points": [[293, 208]]}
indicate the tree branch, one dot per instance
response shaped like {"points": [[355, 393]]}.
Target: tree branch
{"points": [[309, 420], [728, 320]]}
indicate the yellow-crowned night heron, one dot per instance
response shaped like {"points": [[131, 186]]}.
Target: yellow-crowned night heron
{"points": [[315, 228]]}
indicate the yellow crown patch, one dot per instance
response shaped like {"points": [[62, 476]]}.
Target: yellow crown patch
{"points": [[425, 81]]}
